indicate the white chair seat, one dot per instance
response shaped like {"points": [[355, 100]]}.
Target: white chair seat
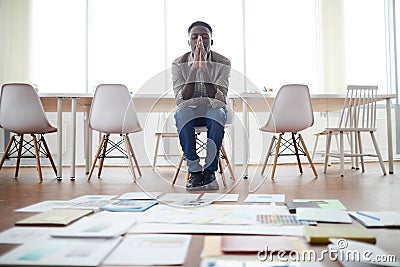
{"points": [[113, 112], [291, 113], [21, 112]]}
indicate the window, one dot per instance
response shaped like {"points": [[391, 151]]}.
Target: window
{"points": [[365, 43], [58, 45], [227, 29], [126, 42], [281, 43]]}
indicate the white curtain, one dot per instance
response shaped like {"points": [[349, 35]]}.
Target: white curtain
{"points": [[15, 41]]}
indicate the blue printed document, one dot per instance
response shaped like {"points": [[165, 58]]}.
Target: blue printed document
{"points": [[129, 205]]}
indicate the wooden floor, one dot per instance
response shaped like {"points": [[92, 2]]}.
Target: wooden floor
{"points": [[357, 191]]}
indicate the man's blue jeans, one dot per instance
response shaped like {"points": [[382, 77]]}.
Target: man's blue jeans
{"points": [[214, 119]]}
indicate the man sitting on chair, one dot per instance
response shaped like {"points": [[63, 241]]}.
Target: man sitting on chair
{"points": [[200, 80]]}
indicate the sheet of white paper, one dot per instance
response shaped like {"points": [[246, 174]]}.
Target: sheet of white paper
{"points": [[208, 214], [90, 204], [22, 235], [123, 216], [212, 197], [93, 227], [368, 255], [254, 229], [150, 250], [85, 198], [178, 197], [60, 252], [323, 215], [265, 198], [140, 195], [46, 206]]}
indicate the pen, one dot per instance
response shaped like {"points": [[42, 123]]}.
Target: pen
{"points": [[368, 216]]}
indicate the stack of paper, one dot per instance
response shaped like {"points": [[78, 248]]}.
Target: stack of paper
{"points": [[377, 219], [323, 215], [322, 234]]}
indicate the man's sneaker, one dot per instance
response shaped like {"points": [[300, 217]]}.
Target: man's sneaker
{"points": [[209, 181], [195, 181]]}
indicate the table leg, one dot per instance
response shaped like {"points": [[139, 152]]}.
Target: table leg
{"points": [[73, 137], [88, 141], [59, 138], [245, 141], [389, 134]]}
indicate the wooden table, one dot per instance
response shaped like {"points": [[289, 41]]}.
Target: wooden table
{"points": [[147, 103]]}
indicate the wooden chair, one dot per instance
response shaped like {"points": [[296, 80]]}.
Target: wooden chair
{"points": [[358, 116], [291, 113], [21, 112], [223, 161], [113, 112]]}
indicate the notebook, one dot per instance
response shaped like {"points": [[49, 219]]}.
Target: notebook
{"points": [[377, 219], [55, 217], [321, 234]]}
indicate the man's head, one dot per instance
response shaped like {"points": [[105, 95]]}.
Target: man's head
{"points": [[204, 30]]}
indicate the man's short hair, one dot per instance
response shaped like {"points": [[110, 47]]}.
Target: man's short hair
{"points": [[199, 23]]}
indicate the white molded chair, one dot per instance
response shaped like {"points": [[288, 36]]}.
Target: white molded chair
{"points": [[21, 112], [201, 146], [291, 113], [358, 116], [113, 112]]}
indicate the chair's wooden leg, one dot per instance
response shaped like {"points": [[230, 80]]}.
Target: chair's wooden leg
{"points": [[360, 150], [103, 155], [268, 153], [221, 167], [353, 150], [341, 152], [126, 141], [178, 169], [378, 152], [6, 151], [96, 157], [227, 162], [21, 140], [308, 156], [48, 154], [278, 145], [37, 157], [158, 135], [327, 150], [296, 150], [134, 156]]}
